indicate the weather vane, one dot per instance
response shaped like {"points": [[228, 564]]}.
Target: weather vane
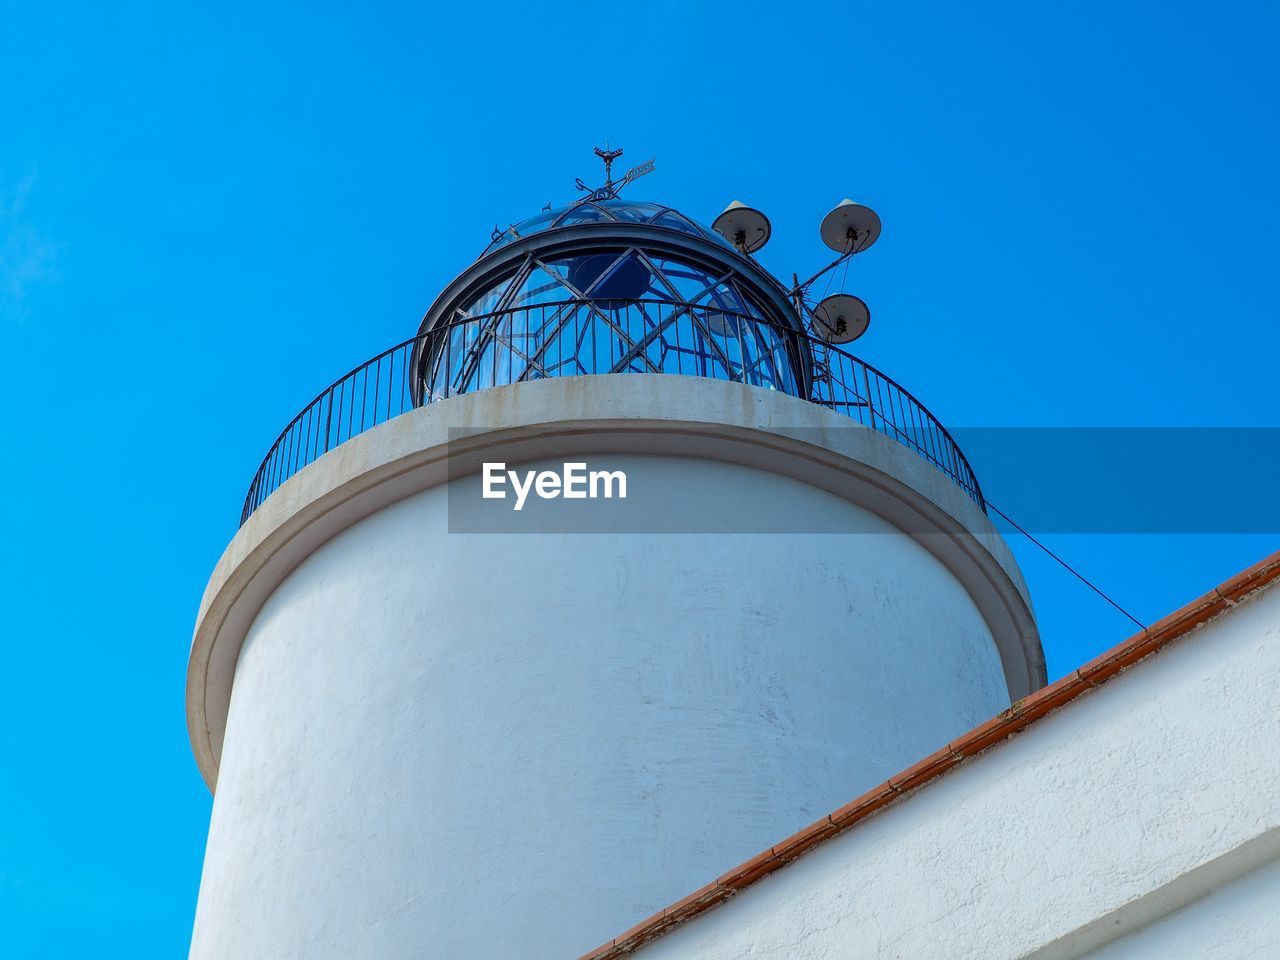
{"points": [[611, 187], [609, 191]]}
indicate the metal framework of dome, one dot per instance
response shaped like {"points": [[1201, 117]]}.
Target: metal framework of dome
{"points": [[603, 211], [607, 285]]}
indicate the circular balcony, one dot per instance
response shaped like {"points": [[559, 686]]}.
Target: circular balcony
{"points": [[582, 336]]}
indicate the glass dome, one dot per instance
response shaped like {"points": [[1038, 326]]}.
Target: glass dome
{"points": [[610, 286], [621, 310], [605, 211]]}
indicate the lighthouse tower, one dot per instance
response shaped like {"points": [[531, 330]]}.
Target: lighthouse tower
{"points": [[439, 726]]}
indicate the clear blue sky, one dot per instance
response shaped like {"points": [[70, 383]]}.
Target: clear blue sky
{"points": [[209, 212]]}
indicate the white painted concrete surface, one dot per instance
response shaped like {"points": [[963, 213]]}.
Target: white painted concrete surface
{"points": [[487, 746], [1239, 919], [1140, 820], [611, 414]]}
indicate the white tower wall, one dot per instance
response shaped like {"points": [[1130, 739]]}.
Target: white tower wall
{"points": [[440, 744]]}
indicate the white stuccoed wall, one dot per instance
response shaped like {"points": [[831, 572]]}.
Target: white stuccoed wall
{"points": [[1142, 820], [1238, 919], [496, 746]]}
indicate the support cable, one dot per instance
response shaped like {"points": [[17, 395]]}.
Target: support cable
{"points": [[1070, 569]]}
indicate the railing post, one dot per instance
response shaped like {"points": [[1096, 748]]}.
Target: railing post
{"points": [[871, 407], [328, 421]]}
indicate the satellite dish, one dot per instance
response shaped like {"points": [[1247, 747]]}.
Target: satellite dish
{"points": [[745, 227], [850, 227], [840, 318]]}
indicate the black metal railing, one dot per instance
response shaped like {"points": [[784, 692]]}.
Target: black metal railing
{"points": [[583, 337]]}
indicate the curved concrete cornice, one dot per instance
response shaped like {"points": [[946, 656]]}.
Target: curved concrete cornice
{"points": [[611, 413]]}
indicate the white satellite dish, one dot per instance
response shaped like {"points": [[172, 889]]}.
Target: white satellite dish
{"points": [[745, 227], [840, 318], [850, 227]]}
